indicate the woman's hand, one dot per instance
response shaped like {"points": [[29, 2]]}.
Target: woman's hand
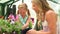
{"points": [[32, 31]]}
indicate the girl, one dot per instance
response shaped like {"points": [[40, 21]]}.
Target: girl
{"points": [[24, 17]]}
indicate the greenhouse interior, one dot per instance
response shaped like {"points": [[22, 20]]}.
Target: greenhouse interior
{"points": [[23, 17]]}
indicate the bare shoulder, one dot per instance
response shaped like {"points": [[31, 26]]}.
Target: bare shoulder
{"points": [[50, 13]]}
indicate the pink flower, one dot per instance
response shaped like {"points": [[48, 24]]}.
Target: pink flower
{"points": [[11, 16]]}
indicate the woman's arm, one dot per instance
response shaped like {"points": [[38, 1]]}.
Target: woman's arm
{"points": [[27, 23], [51, 18]]}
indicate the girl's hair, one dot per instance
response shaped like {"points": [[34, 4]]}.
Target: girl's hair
{"points": [[24, 6]]}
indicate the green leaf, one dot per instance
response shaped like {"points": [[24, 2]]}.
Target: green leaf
{"points": [[30, 24]]}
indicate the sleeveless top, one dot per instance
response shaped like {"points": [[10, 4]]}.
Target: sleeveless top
{"points": [[23, 20], [45, 25]]}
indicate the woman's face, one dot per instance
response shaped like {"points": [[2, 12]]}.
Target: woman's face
{"points": [[34, 6]]}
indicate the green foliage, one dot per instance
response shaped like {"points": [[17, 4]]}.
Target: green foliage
{"points": [[30, 24], [17, 26], [7, 27]]}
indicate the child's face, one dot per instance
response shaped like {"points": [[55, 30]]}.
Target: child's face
{"points": [[22, 10]]}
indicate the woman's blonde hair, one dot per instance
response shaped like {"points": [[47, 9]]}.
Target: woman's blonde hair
{"points": [[43, 5], [25, 7], [39, 4], [43, 8]]}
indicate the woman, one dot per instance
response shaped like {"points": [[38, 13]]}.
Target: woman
{"points": [[44, 14], [24, 17]]}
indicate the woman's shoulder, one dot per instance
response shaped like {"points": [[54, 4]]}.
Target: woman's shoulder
{"points": [[51, 15], [50, 12]]}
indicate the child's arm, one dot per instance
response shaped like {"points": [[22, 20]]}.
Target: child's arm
{"points": [[27, 23]]}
